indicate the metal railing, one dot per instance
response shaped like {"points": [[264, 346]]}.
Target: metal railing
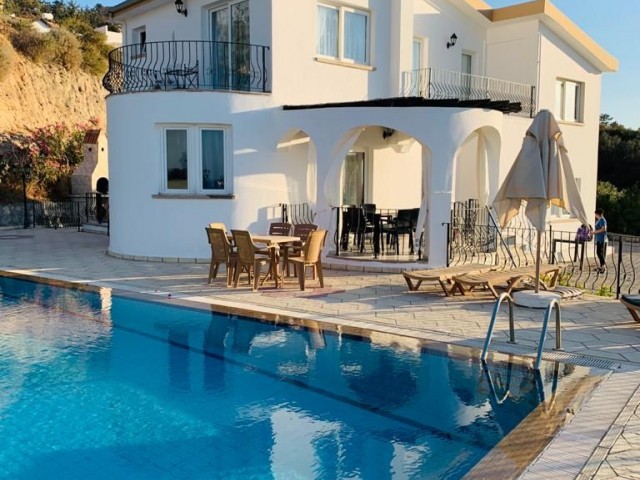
{"points": [[553, 305], [437, 84], [60, 214], [188, 65], [96, 207], [474, 237], [297, 213]]}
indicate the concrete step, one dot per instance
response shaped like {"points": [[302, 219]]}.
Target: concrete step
{"points": [[102, 229]]}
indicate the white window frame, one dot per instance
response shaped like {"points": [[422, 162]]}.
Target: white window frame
{"points": [[194, 160], [341, 34], [579, 101]]}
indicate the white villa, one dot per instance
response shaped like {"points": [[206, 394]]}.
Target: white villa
{"points": [[224, 110]]}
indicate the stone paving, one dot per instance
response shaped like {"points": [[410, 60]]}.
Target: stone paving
{"points": [[624, 457], [593, 327]]}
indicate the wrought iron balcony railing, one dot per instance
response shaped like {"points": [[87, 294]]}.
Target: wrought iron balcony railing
{"points": [[436, 84], [189, 65]]}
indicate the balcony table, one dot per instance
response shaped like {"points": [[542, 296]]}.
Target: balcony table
{"points": [[183, 77]]}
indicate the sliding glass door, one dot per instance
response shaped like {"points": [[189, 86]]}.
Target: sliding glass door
{"points": [[231, 54], [353, 179]]}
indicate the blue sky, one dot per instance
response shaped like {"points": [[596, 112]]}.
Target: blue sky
{"points": [[614, 24]]}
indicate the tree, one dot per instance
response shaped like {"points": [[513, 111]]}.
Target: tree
{"points": [[48, 155]]}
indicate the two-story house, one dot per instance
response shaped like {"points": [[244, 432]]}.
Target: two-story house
{"points": [[220, 111]]}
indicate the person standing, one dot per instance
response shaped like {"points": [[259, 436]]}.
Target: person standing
{"points": [[600, 235]]}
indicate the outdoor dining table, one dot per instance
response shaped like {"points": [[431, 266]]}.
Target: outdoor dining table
{"points": [[274, 241]]}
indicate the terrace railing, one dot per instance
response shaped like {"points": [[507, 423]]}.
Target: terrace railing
{"points": [[473, 237], [188, 65], [436, 84], [297, 213]]}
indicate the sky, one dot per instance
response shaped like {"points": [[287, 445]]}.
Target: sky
{"points": [[611, 23]]}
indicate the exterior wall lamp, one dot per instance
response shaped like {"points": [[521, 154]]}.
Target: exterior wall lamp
{"points": [[452, 39], [180, 8]]}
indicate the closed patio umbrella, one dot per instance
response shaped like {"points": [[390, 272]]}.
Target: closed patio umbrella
{"points": [[540, 177]]}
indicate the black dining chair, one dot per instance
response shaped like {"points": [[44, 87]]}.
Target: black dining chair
{"points": [[403, 224]]}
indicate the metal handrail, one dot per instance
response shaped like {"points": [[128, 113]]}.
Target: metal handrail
{"points": [[496, 308], [553, 304], [188, 65], [435, 83]]}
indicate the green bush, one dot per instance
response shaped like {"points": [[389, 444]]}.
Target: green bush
{"points": [[93, 45], [94, 59], [6, 59], [66, 49], [34, 45]]}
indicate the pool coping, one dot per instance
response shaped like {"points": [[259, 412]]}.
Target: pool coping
{"points": [[555, 459]]}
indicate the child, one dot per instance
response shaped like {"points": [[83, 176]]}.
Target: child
{"points": [[600, 234]]}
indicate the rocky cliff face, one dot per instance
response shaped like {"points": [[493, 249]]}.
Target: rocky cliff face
{"points": [[36, 95]]}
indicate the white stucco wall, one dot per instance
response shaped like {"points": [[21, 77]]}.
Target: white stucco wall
{"points": [[264, 175], [512, 51], [397, 178], [558, 60], [436, 21]]}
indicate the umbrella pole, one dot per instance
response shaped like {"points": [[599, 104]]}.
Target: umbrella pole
{"points": [[537, 280]]}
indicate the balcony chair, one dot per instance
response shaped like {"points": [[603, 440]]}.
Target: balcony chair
{"points": [[311, 257], [302, 231], [221, 252], [251, 258]]}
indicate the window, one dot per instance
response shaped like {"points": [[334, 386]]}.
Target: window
{"points": [[569, 100], [196, 160], [140, 39], [343, 33]]}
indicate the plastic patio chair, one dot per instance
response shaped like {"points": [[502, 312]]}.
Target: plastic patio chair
{"points": [[311, 257], [280, 228], [301, 230], [250, 259], [221, 253]]}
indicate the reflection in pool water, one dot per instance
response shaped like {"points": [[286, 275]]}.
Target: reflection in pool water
{"points": [[98, 386]]}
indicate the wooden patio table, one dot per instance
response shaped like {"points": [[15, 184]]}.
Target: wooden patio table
{"points": [[274, 242]]}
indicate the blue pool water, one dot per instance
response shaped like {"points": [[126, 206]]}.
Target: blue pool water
{"points": [[102, 387]]}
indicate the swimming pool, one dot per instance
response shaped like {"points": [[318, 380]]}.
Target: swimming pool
{"points": [[101, 386]]}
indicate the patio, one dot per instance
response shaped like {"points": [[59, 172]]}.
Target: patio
{"points": [[597, 331]]}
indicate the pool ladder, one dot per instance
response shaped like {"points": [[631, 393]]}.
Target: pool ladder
{"points": [[553, 305]]}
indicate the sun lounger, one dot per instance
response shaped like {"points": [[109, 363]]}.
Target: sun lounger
{"points": [[632, 302], [508, 279], [443, 276]]}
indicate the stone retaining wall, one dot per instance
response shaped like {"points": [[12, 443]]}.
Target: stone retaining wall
{"points": [[12, 214]]}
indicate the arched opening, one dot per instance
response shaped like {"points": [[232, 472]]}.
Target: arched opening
{"points": [[476, 167], [378, 182], [297, 150], [102, 185], [474, 185]]}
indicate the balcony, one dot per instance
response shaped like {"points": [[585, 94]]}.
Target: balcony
{"points": [[470, 90], [188, 65]]}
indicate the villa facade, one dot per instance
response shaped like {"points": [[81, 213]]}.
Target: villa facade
{"points": [[222, 111]]}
